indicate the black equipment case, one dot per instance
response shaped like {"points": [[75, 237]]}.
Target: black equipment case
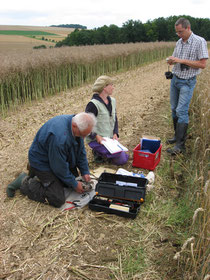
{"points": [[119, 194]]}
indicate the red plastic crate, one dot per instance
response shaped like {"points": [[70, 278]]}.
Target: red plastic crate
{"points": [[146, 160]]}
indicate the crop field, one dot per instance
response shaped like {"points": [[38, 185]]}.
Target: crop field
{"points": [[46, 72], [36, 34], [56, 30], [22, 39], [25, 33], [41, 242]]}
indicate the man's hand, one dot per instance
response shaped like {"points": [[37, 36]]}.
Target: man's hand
{"points": [[192, 63], [86, 177], [79, 188], [172, 60]]}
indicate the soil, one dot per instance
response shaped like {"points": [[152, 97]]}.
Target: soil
{"points": [[20, 45], [40, 242]]}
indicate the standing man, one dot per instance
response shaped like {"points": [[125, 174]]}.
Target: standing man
{"points": [[54, 156], [189, 57]]}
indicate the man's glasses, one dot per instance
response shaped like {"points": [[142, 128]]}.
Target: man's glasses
{"points": [[179, 32]]}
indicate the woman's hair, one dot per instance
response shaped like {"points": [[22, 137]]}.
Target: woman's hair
{"points": [[101, 83], [184, 22], [84, 120]]}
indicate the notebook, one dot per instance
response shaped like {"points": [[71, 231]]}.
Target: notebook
{"points": [[113, 146]]}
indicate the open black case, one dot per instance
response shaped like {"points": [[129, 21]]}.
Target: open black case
{"points": [[119, 194]]}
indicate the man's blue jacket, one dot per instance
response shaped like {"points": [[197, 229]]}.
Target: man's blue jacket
{"points": [[55, 149]]}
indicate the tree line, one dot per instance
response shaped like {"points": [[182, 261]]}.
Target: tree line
{"points": [[79, 26], [132, 31]]}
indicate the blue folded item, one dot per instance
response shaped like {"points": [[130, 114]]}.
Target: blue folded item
{"points": [[141, 175], [150, 145]]}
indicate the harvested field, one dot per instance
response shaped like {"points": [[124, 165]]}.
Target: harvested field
{"points": [[19, 44], [40, 242], [11, 44]]}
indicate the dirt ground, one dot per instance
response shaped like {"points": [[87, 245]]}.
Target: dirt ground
{"points": [[40, 242]]}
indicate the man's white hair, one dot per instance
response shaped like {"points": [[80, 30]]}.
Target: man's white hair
{"points": [[84, 120]]}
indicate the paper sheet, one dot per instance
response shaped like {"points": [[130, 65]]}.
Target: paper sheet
{"points": [[113, 146]]}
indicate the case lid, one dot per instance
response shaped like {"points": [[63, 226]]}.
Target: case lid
{"points": [[122, 187]]}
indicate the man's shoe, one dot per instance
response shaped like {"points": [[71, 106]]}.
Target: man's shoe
{"points": [[175, 151], [15, 185], [171, 141], [181, 133]]}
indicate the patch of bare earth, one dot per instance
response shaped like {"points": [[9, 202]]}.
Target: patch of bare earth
{"points": [[40, 242], [15, 44]]}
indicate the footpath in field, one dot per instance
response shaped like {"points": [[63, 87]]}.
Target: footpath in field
{"points": [[39, 242]]}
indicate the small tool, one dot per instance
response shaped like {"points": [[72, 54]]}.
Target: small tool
{"points": [[74, 205]]}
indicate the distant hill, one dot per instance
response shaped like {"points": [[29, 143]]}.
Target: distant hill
{"points": [[21, 39], [70, 26]]}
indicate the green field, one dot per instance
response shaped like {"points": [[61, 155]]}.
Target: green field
{"points": [[25, 33]]}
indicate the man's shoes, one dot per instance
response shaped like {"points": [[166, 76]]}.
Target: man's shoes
{"points": [[181, 133], [15, 185], [175, 150]]}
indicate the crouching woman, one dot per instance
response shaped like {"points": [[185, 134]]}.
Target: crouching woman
{"points": [[103, 106]]}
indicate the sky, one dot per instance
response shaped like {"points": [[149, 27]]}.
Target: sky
{"points": [[96, 13]]}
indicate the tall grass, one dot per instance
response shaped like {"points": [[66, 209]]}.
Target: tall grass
{"points": [[46, 72], [195, 250], [200, 229]]}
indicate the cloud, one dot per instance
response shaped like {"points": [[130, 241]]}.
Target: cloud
{"points": [[16, 18], [96, 13]]}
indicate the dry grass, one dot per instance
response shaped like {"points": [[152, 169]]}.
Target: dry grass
{"points": [[197, 255], [82, 55], [46, 72]]}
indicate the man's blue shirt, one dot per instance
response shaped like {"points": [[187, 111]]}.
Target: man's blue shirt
{"points": [[55, 149]]}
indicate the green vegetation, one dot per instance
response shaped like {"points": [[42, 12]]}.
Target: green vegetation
{"points": [[25, 33], [134, 262], [79, 26], [160, 29], [39, 47], [187, 203]]}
